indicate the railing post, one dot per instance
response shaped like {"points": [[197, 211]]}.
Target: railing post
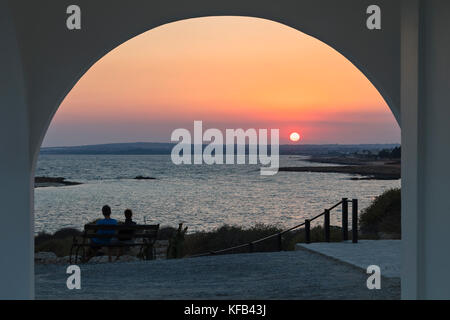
{"points": [[355, 220], [327, 225], [345, 219], [250, 247], [307, 231], [280, 242]]}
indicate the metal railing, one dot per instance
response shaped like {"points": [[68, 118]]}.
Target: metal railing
{"points": [[307, 224]]}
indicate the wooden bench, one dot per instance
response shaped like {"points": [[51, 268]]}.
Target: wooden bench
{"points": [[143, 236]]}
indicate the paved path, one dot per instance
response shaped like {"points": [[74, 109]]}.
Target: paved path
{"points": [[383, 253], [279, 275]]}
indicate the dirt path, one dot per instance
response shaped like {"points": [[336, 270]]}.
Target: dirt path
{"points": [[281, 275]]}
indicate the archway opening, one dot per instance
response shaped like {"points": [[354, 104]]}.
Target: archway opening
{"points": [[229, 72]]}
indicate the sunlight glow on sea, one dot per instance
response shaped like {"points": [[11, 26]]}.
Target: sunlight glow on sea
{"points": [[201, 196]]}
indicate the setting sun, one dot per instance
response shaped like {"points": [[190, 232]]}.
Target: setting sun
{"points": [[294, 137]]}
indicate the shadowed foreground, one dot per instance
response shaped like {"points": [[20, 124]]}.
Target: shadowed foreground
{"points": [[281, 275]]}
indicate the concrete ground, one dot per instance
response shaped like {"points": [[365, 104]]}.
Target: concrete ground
{"points": [[279, 275], [383, 253]]}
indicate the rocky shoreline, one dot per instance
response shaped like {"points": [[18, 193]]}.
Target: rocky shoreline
{"points": [[42, 182], [369, 170]]}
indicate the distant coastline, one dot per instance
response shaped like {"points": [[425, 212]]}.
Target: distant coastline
{"points": [[369, 169], [348, 158], [154, 148]]}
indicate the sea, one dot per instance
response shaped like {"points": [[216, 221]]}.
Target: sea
{"points": [[202, 197]]}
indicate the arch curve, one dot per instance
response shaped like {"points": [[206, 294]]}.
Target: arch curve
{"points": [[64, 56]]}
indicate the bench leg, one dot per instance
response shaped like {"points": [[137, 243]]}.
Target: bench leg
{"points": [[84, 254], [140, 254], [77, 253], [70, 255], [149, 252]]}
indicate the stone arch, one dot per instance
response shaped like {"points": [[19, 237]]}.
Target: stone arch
{"points": [[66, 55], [53, 58]]}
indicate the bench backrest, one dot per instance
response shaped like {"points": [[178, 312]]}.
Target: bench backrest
{"points": [[130, 231]]}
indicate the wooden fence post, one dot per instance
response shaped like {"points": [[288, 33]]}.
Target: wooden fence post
{"points": [[355, 220], [307, 231], [327, 225], [345, 219]]}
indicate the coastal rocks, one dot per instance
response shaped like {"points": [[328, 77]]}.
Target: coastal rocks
{"points": [[98, 259], [50, 258], [160, 250], [104, 259], [128, 259], [45, 257], [144, 178], [41, 182], [63, 260]]}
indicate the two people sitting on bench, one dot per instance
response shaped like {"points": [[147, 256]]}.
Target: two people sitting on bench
{"points": [[125, 236]]}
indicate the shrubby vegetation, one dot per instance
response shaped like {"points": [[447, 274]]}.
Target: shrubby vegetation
{"points": [[383, 216], [385, 154], [395, 153], [58, 243], [231, 236]]}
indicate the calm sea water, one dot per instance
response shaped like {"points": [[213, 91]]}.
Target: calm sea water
{"points": [[201, 196]]}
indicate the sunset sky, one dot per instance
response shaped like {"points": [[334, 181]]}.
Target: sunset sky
{"points": [[229, 72]]}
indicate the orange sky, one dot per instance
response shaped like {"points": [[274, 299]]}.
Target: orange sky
{"points": [[230, 72]]}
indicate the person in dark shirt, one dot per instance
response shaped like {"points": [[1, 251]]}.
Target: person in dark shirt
{"points": [[126, 236]]}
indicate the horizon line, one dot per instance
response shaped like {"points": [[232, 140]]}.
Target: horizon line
{"points": [[174, 143]]}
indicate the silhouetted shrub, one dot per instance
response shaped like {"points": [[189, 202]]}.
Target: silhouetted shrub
{"points": [[166, 233], [42, 237], [67, 232], [59, 242], [60, 234], [230, 236], [60, 247], [383, 215]]}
